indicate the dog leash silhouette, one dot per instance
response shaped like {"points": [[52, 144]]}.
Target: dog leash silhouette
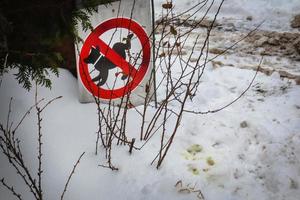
{"points": [[103, 65]]}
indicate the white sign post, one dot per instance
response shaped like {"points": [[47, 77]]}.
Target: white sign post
{"points": [[114, 61]]}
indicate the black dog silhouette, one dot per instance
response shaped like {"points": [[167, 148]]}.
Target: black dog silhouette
{"points": [[104, 64]]}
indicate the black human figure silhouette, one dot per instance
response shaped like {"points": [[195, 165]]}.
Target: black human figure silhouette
{"points": [[104, 64]]}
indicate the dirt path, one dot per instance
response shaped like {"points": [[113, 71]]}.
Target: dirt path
{"points": [[280, 50]]}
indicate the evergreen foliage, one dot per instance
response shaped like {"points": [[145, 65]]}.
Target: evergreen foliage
{"points": [[34, 35]]}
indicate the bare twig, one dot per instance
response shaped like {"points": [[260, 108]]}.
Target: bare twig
{"points": [[27, 113], [49, 102], [11, 189], [231, 102], [70, 176]]}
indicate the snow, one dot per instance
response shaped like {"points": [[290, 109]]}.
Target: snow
{"points": [[256, 161], [276, 14], [254, 143]]}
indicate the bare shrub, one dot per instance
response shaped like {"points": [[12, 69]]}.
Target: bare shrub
{"points": [[10, 144], [177, 84]]}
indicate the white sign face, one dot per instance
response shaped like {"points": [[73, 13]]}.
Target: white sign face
{"points": [[114, 61]]}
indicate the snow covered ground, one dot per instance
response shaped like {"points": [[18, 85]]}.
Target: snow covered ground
{"points": [[247, 151], [275, 13]]}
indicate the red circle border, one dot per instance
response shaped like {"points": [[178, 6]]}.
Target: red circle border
{"points": [[143, 68]]}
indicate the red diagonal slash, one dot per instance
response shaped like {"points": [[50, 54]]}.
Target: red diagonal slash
{"points": [[115, 58]]}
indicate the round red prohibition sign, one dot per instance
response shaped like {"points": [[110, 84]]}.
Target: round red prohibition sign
{"points": [[94, 40]]}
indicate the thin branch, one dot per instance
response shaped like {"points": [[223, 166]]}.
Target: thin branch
{"points": [[233, 101], [39, 156], [11, 189], [70, 176], [8, 114], [49, 102], [230, 47], [27, 113], [5, 61]]}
